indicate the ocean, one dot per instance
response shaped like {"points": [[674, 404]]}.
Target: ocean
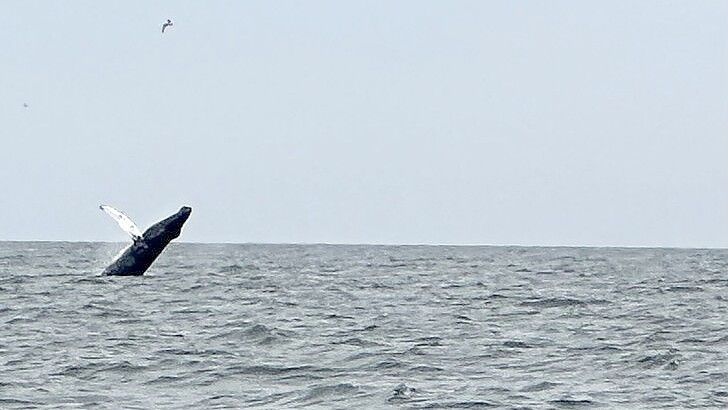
{"points": [[364, 327]]}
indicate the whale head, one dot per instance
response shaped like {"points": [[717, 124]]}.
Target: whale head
{"points": [[169, 228], [184, 212]]}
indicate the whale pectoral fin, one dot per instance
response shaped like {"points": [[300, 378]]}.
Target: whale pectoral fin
{"points": [[125, 223]]}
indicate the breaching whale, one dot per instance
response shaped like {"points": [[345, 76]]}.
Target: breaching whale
{"points": [[147, 246]]}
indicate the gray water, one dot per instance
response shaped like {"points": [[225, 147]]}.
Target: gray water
{"points": [[315, 326]]}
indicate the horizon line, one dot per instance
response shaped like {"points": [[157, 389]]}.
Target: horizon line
{"points": [[461, 245]]}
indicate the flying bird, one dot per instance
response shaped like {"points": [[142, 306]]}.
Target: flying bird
{"points": [[25, 105], [167, 24]]}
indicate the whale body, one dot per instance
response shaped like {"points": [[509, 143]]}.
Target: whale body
{"points": [[139, 256]]}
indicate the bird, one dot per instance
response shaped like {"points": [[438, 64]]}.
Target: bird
{"points": [[167, 24], [25, 105]]}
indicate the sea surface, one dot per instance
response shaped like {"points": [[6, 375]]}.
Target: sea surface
{"points": [[364, 327]]}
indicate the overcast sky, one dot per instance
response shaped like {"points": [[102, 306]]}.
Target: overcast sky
{"points": [[444, 122]]}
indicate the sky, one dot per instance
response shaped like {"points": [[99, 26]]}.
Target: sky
{"points": [[575, 123]]}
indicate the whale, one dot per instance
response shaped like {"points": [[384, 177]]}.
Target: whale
{"points": [[147, 246]]}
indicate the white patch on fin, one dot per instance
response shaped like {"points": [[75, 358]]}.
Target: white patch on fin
{"points": [[124, 222]]}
